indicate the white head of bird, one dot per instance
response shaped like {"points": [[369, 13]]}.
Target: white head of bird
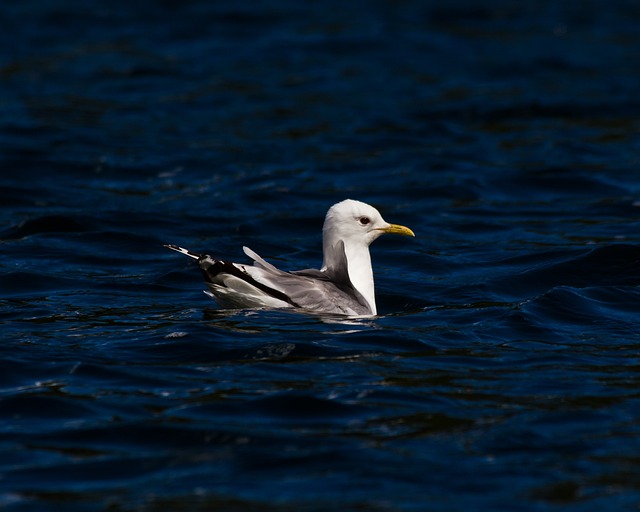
{"points": [[357, 224]]}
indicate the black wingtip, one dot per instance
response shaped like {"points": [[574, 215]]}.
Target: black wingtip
{"points": [[182, 250]]}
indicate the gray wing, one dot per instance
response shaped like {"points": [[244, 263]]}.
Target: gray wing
{"points": [[339, 277], [321, 295], [313, 290], [257, 260]]}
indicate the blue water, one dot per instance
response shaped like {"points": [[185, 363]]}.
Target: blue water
{"points": [[503, 370]]}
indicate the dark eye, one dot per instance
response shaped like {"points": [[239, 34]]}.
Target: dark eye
{"points": [[364, 220]]}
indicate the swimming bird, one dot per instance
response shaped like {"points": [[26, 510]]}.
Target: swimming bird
{"points": [[344, 285]]}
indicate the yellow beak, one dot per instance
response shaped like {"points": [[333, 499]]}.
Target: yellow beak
{"points": [[397, 230]]}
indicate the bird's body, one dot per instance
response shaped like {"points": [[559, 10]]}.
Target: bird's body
{"points": [[344, 285]]}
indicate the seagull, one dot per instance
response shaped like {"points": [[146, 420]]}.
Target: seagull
{"points": [[343, 286]]}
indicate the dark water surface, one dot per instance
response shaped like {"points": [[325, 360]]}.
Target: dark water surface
{"points": [[504, 370]]}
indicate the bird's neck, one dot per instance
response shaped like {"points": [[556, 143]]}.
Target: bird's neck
{"points": [[359, 268]]}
